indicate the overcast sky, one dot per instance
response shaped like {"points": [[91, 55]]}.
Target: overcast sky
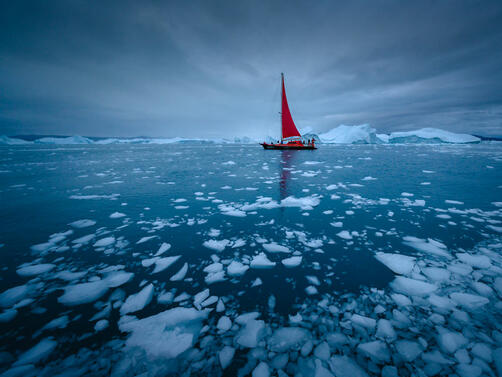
{"points": [[212, 68]]}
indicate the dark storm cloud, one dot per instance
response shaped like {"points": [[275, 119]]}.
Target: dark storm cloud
{"points": [[212, 68]]}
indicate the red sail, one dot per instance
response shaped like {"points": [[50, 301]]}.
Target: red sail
{"points": [[288, 126]]}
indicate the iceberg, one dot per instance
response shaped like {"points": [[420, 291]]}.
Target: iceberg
{"points": [[12, 141], [431, 136], [361, 134], [64, 140]]}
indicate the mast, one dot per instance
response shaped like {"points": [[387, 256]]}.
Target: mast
{"points": [[282, 99]]}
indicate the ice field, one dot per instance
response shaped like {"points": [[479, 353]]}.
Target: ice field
{"points": [[159, 260]]}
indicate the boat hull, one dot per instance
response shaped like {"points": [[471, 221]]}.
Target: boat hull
{"points": [[287, 146]]}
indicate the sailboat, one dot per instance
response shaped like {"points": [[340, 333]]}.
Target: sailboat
{"points": [[291, 137]]}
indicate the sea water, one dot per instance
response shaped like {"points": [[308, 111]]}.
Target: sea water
{"points": [[129, 259]]}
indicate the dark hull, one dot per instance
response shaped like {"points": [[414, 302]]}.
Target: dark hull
{"points": [[287, 146]]}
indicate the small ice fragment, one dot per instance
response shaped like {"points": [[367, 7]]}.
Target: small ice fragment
{"points": [[261, 261], [117, 215], [36, 269], [400, 264], [225, 356], [101, 325], [224, 324], [344, 366], [275, 248], [162, 249], [251, 333], [83, 293], [376, 350], [345, 235], [311, 290], [236, 269], [412, 287], [37, 353], [262, 370], [218, 245], [104, 242], [138, 300], [117, 278], [366, 322], [469, 301], [408, 350], [294, 261], [163, 263], [82, 223], [180, 275], [145, 239]]}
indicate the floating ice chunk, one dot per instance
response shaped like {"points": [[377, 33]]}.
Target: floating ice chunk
{"points": [[427, 246], [385, 330], [322, 351], [36, 269], [469, 301], [275, 248], [261, 261], [320, 370], [366, 322], [165, 335], [408, 349], [251, 333], [145, 239], [313, 280], [288, 338], [294, 261], [344, 366], [224, 324], [84, 239], [336, 224], [436, 273], [225, 356], [400, 300], [38, 353], [163, 248], [412, 287], [180, 275], [246, 317], [8, 315], [82, 223], [376, 350], [450, 341], [138, 300], [101, 325], [83, 293], [117, 215], [162, 263], [200, 297], [69, 275], [262, 370], [236, 269], [306, 203], [257, 282], [117, 278], [400, 264], [483, 351], [311, 290], [468, 370], [345, 235], [210, 301], [104, 242], [441, 302], [218, 245], [477, 261], [215, 277]]}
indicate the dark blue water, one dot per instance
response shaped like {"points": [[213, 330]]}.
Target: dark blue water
{"points": [[43, 189]]}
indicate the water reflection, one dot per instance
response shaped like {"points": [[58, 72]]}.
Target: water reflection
{"points": [[286, 163]]}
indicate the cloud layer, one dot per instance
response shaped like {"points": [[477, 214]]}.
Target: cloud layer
{"points": [[212, 68]]}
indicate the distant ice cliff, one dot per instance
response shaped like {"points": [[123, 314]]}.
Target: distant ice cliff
{"points": [[343, 134]]}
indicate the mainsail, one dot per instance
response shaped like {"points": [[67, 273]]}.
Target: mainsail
{"points": [[288, 126]]}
